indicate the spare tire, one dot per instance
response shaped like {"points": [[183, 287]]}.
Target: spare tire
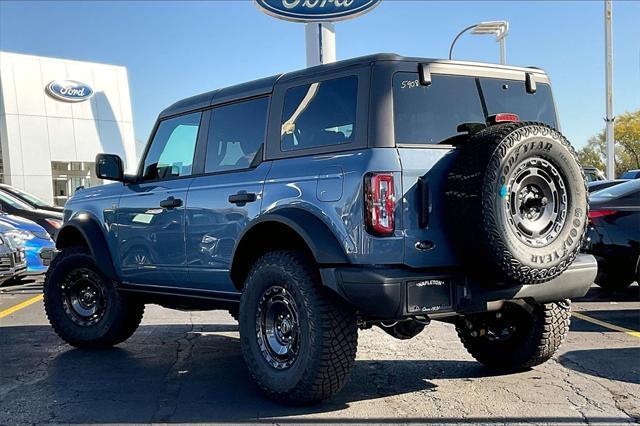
{"points": [[518, 201]]}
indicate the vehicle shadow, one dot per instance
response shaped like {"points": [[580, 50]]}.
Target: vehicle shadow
{"points": [[174, 373], [606, 363], [179, 373]]}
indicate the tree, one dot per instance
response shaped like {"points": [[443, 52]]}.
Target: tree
{"points": [[627, 145]]}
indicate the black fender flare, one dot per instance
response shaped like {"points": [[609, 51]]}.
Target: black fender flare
{"points": [[322, 242], [93, 235]]}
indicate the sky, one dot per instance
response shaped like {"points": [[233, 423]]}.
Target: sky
{"points": [[175, 49]]}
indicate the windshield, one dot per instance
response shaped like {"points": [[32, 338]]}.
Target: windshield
{"points": [[631, 174], [619, 190], [14, 202], [29, 197], [431, 114]]}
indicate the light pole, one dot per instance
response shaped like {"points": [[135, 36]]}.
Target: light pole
{"points": [[609, 119], [498, 28]]}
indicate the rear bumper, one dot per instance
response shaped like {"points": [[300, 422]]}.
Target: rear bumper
{"points": [[391, 293]]}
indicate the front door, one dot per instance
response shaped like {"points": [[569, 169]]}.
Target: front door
{"points": [[150, 219], [225, 200]]}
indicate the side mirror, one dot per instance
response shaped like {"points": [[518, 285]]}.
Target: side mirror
{"points": [[109, 167]]}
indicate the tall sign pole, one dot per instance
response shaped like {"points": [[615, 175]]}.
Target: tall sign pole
{"points": [[609, 119], [318, 17], [320, 41]]}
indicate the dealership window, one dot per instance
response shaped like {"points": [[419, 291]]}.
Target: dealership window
{"points": [[172, 148], [68, 177], [320, 114], [235, 135]]}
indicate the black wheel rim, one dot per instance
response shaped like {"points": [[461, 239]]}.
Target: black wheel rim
{"points": [[277, 326], [537, 201], [83, 297], [509, 324]]}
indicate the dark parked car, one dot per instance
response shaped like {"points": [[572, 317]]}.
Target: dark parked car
{"points": [[631, 174], [50, 221], [613, 235], [597, 185], [30, 199]]}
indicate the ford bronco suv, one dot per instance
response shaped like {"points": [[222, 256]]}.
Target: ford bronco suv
{"points": [[378, 191]]}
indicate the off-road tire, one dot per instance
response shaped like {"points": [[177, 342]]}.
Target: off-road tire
{"points": [[531, 345], [235, 313], [328, 331], [121, 317], [481, 206]]}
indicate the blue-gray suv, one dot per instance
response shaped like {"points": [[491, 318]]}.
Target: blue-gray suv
{"points": [[378, 191]]}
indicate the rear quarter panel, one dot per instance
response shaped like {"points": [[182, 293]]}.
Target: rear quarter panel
{"points": [[330, 187]]}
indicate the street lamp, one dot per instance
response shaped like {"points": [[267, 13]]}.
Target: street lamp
{"points": [[498, 28]]}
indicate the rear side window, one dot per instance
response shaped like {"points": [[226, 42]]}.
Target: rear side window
{"points": [[511, 96], [431, 114], [235, 135], [319, 114]]}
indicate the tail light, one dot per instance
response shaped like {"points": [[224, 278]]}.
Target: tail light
{"points": [[503, 117], [380, 203], [600, 213]]}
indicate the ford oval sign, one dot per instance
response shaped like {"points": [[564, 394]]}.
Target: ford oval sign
{"points": [[316, 10], [69, 90]]}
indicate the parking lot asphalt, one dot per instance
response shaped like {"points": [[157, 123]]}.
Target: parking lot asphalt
{"points": [[187, 367]]}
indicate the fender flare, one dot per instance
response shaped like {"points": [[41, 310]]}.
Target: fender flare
{"points": [[93, 235], [322, 242]]}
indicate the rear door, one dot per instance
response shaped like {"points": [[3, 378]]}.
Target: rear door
{"points": [[228, 195], [426, 120]]}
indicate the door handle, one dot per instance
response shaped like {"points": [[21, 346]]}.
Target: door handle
{"points": [[170, 203], [242, 198]]}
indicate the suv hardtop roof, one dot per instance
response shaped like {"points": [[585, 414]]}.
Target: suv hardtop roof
{"points": [[265, 85]]}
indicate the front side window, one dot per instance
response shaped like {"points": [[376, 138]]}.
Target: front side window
{"points": [[320, 114], [172, 148], [235, 135]]}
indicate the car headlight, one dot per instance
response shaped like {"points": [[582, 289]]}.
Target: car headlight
{"points": [[18, 236], [56, 223]]}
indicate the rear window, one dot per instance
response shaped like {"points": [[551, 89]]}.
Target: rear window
{"points": [[431, 114], [511, 96]]}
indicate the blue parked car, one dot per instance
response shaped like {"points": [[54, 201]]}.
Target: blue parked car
{"points": [[379, 191], [12, 257], [32, 237]]}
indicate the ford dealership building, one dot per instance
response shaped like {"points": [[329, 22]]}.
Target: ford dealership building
{"points": [[55, 116]]}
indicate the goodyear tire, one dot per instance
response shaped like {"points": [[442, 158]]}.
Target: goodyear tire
{"points": [[83, 306], [518, 201], [299, 342], [517, 337]]}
